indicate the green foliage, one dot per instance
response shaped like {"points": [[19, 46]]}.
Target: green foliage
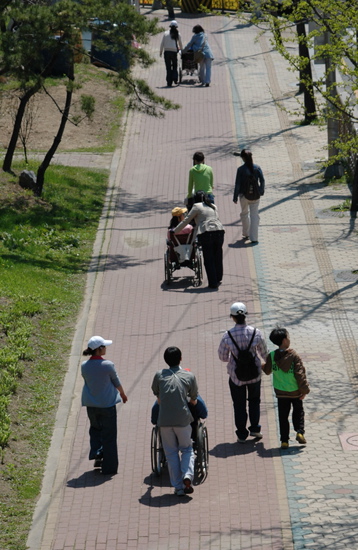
{"points": [[333, 40], [45, 248]]}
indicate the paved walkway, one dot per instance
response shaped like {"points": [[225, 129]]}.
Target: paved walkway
{"points": [[256, 496]]}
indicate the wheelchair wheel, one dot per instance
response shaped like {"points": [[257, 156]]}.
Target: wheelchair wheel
{"points": [[198, 268], [167, 268], [202, 450], [157, 452]]}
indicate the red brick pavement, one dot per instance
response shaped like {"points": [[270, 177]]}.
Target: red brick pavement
{"points": [[240, 504]]}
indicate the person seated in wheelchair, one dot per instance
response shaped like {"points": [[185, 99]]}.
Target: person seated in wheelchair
{"points": [[178, 214], [182, 239], [198, 411]]}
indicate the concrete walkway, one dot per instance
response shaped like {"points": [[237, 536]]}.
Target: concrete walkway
{"points": [[256, 496]]}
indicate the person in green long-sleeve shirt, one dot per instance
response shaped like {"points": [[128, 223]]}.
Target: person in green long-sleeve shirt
{"points": [[201, 178]]}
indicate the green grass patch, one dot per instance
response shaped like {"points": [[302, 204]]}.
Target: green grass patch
{"points": [[45, 249], [345, 206]]}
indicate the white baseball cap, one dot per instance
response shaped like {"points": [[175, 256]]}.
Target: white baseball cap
{"points": [[173, 23], [97, 341], [238, 308]]}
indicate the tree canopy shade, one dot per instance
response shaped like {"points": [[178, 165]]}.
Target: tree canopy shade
{"points": [[38, 35], [332, 38]]}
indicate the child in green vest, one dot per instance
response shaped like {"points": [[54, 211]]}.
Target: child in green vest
{"points": [[290, 385]]}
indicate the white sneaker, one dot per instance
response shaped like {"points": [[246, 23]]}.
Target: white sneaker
{"points": [[257, 435]]}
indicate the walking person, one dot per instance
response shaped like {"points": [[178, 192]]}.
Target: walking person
{"points": [[101, 392], [290, 385], [210, 233], [171, 44], [249, 187], [201, 178], [244, 337], [175, 388], [202, 54]]}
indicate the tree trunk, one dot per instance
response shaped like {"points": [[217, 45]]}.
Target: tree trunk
{"points": [[354, 204], [17, 127], [306, 85], [40, 176]]}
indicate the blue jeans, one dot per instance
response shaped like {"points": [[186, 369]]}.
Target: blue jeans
{"points": [[205, 70], [179, 452], [239, 395], [103, 433]]}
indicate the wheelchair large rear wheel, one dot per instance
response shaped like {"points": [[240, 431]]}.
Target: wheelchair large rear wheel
{"points": [[157, 452], [198, 267], [167, 268], [202, 450]]}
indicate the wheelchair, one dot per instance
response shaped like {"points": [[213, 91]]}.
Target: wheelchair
{"points": [[183, 251], [200, 447]]}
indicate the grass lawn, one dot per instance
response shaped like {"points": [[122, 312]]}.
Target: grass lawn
{"points": [[45, 248]]}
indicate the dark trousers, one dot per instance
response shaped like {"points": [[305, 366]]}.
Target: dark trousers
{"points": [[212, 246], [239, 395], [171, 65], [103, 433], [298, 416]]}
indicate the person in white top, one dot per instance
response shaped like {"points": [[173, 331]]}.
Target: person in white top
{"points": [[171, 44]]}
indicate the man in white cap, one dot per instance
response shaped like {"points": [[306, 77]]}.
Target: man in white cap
{"points": [[244, 380]]}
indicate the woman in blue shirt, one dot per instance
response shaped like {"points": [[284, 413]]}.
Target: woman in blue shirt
{"points": [[199, 42]]}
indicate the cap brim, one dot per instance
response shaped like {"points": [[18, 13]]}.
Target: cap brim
{"points": [[108, 342]]}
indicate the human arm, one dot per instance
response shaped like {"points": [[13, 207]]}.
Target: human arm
{"points": [[300, 375], [237, 186], [122, 394], [267, 367], [193, 212], [189, 45], [161, 46], [261, 180], [224, 350], [190, 184]]}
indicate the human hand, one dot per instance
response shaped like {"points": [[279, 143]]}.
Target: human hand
{"points": [[235, 201], [124, 397]]}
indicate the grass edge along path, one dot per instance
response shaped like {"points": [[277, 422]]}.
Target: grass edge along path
{"points": [[45, 250]]}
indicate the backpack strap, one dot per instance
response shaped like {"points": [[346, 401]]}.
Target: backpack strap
{"points": [[249, 346]]}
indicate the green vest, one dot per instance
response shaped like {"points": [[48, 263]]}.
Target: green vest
{"points": [[283, 381]]}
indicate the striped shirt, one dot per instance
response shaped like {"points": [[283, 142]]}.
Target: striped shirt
{"points": [[242, 335]]}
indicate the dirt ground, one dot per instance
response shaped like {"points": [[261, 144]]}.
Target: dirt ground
{"points": [[89, 134]]}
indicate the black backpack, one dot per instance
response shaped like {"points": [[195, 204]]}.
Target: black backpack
{"points": [[250, 188], [246, 368]]}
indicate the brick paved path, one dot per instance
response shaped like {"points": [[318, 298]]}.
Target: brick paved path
{"points": [[255, 496]]}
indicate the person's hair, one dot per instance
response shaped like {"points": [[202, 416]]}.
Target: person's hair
{"points": [[200, 196], [239, 319], [174, 222], [278, 334], [246, 156], [172, 356], [198, 29], [198, 157], [89, 351], [174, 33]]}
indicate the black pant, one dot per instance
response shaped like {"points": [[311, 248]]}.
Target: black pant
{"points": [[298, 416], [171, 64], [239, 395], [103, 433], [212, 245]]}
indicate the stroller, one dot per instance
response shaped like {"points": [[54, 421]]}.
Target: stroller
{"points": [[183, 251]]}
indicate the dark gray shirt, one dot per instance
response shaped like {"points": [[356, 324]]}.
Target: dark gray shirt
{"points": [[174, 386]]}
